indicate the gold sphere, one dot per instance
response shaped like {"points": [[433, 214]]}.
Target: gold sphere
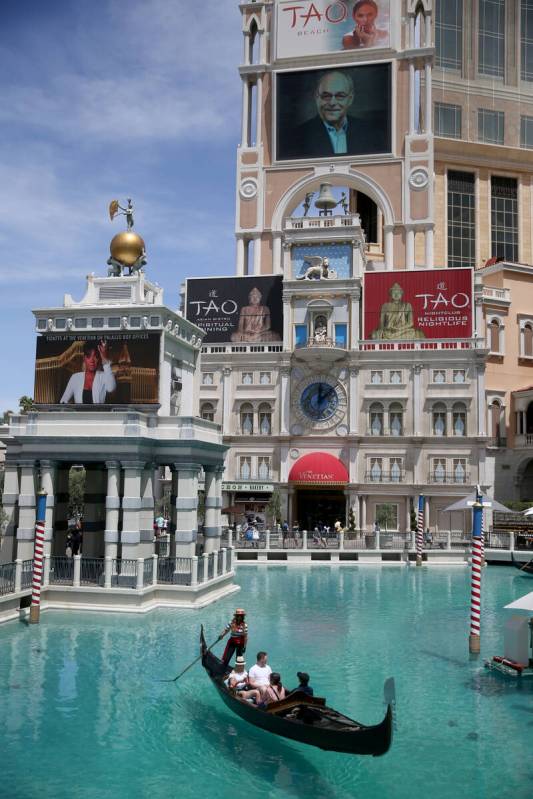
{"points": [[126, 247]]}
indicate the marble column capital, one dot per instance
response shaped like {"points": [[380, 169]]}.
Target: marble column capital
{"points": [[133, 464], [46, 463], [112, 464], [186, 467]]}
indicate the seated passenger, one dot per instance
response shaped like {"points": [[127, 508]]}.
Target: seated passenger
{"points": [[238, 680], [275, 691], [303, 686], [259, 675]]}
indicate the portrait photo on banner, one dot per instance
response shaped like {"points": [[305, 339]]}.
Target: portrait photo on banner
{"points": [[98, 369], [316, 27], [333, 112]]}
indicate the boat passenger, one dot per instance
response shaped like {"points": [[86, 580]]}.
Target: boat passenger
{"points": [[238, 680], [238, 630], [275, 691], [303, 687], [259, 675]]}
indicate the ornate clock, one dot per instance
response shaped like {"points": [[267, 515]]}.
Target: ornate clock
{"points": [[320, 401]]}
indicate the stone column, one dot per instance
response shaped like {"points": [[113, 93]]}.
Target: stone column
{"points": [[353, 339], [410, 248], [48, 475], [226, 402], [354, 401], [213, 505], [131, 509], [426, 513], [287, 331], [408, 514], [26, 502], [285, 402], [146, 548], [186, 505], [257, 255], [363, 513], [112, 509], [10, 505], [429, 248], [417, 395], [428, 107], [389, 246], [481, 415], [276, 254]]}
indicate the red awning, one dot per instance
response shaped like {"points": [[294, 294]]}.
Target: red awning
{"points": [[319, 468]]}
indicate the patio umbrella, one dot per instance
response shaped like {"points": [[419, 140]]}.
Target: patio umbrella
{"points": [[232, 509], [462, 504], [528, 512]]}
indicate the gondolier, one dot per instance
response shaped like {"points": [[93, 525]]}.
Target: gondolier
{"points": [[238, 638]]}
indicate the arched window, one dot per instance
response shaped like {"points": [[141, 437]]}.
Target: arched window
{"points": [[375, 470], [494, 336], [439, 470], [459, 419], [376, 419], [439, 419], [247, 419], [528, 340], [396, 419], [265, 419], [207, 411], [253, 43]]}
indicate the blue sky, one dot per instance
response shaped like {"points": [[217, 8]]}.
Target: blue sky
{"points": [[104, 100]]}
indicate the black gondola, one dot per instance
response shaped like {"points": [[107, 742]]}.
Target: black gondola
{"points": [[525, 568], [304, 718]]}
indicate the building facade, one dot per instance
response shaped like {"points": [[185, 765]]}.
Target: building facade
{"points": [[438, 186]]}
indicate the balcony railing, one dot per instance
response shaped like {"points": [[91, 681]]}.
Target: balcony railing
{"points": [[385, 477], [449, 478], [325, 342], [310, 222], [490, 293]]}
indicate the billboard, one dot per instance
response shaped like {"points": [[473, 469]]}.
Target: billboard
{"points": [[339, 259], [315, 27], [98, 369], [423, 304], [237, 309], [333, 112]]}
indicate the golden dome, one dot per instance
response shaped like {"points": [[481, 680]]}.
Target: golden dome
{"points": [[126, 247]]}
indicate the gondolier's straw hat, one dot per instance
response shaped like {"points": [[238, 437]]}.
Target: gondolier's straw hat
{"points": [[240, 612], [240, 661]]}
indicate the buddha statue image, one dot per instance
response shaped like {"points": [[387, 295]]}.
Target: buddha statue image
{"points": [[254, 321], [396, 319]]}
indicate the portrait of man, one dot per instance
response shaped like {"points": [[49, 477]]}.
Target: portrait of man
{"points": [[334, 112]]}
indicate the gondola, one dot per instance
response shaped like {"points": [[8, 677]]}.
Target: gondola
{"points": [[304, 718], [525, 568]]}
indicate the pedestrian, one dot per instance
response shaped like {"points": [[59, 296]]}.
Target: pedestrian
{"points": [[68, 548], [255, 537]]}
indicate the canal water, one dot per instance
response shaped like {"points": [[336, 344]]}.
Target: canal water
{"points": [[83, 716]]}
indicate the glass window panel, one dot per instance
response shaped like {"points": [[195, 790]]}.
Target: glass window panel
{"points": [[439, 376], [439, 424], [376, 377], [461, 219], [491, 38], [341, 335], [375, 469], [459, 423], [459, 375], [247, 378], [376, 424], [264, 378], [395, 376], [459, 470], [207, 379], [41, 324], [396, 470], [263, 469], [97, 321], [447, 120], [246, 468], [60, 324], [504, 218], [449, 34], [526, 131], [439, 470], [490, 126], [526, 40], [396, 424], [265, 425], [300, 335]]}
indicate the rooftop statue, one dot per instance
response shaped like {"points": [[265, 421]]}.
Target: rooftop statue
{"points": [[127, 248]]}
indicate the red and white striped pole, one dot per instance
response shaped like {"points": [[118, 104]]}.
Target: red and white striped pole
{"points": [[420, 530], [475, 587], [35, 607]]}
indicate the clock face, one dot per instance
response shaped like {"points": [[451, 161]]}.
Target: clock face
{"points": [[319, 401]]}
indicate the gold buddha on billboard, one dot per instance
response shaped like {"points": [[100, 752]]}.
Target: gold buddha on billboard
{"points": [[396, 322]]}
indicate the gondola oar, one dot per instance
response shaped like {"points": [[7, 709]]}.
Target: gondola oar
{"points": [[220, 637]]}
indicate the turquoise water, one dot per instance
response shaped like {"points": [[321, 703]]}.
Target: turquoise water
{"points": [[83, 717]]}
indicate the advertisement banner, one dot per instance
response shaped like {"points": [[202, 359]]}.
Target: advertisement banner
{"points": [[315, 27], [423, 304], [236, 309], [98, 369], [325, 113]]}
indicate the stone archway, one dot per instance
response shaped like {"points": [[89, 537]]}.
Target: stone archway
{"points": [[525, 480]]}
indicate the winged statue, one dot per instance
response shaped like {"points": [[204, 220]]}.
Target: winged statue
{"points": [[317, 269], [116, 209]]}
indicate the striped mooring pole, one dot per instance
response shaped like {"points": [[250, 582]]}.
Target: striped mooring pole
{"points": [[35, 607], [419, 530], [475, 588]]}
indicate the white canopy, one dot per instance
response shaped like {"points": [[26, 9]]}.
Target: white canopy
{"points": [[523, 605], [462, 504], [528, 512]]}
